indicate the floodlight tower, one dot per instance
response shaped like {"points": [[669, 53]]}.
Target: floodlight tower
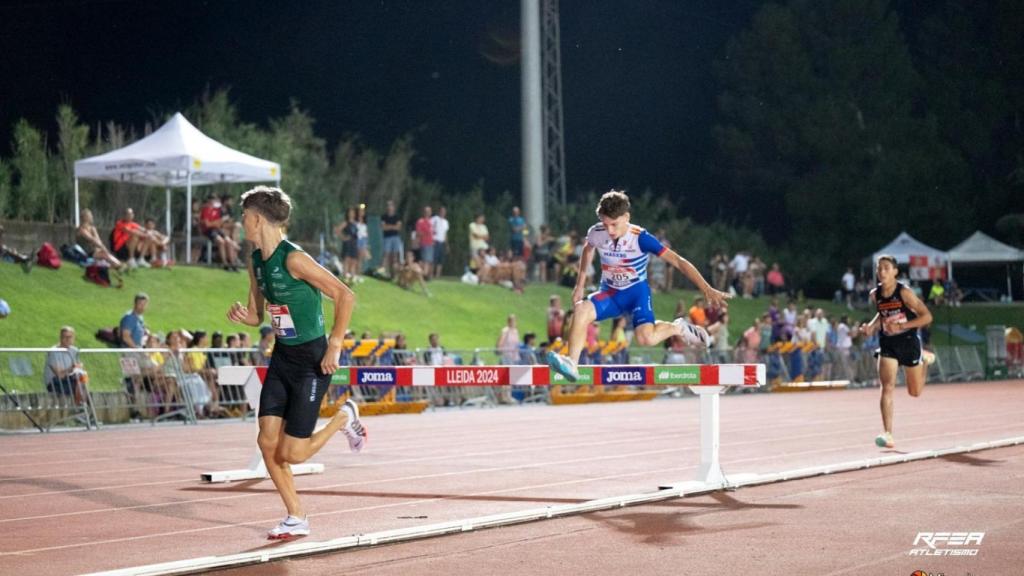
{"points": [[543, 146]]}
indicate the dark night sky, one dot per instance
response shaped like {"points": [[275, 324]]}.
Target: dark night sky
{"points": [[637, 84]]}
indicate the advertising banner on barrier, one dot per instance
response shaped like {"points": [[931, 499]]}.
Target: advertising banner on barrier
{"points": [[471, 376], [586, 377], [342, 376], [677, 375], [541, 375]]}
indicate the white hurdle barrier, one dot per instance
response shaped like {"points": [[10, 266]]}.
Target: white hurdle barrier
{"points": [[708, 381], [251, 378]]}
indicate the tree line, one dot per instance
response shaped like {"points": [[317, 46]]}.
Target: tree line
{"points": [[840, 123]]}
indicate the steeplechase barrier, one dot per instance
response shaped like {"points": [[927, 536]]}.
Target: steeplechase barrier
{"points": [[708, 381], [250, 378]]}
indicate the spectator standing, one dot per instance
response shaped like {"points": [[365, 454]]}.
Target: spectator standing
{"points": [[789, 316], [516, 229], [737, 268], [776, 281], [439, 226], [362, 242], [719, 271], [721, 346], [542, 252], [425, 235], [775, 318], [479, 236], [391, 226], [752, 341], [348, 233], [819, 327], [555, 318], [668, 277], [757, 270], [848, 283], [844, 341], [508, 342]]}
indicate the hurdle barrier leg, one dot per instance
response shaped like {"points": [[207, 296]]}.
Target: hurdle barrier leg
{"points": [[251, 379], [710, 470]]}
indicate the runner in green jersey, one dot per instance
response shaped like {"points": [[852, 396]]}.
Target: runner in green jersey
{"points": [[288, 283]]}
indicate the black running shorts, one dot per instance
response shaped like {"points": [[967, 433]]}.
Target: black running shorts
{"points": [[906, 350], [294, 386]]}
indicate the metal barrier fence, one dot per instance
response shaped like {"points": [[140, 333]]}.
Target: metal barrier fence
{"points": [[159, 384]]}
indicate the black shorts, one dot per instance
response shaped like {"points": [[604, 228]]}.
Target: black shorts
{"points": [[122, 253], [905, 350], [294, 386]]}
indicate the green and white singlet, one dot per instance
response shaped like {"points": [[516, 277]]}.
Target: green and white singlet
{"points": [[295, 306]]}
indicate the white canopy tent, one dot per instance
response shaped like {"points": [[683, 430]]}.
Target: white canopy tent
{"points": [[177, 155], [980, 248], [921, 258]]}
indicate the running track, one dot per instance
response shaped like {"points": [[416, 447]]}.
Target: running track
{"points": [[82, 502]]}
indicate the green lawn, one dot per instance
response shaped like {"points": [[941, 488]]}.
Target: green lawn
{"points": [[197, 298]]}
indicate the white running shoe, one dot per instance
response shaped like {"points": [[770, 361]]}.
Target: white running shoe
{"points": [[564, 366], [289, 527], [884, 440], [928, 357], [143, 264], [354, 430], [692, 334], [132, 263]]}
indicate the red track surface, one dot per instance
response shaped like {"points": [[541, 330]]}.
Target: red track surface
{"points": [[82, 502]]}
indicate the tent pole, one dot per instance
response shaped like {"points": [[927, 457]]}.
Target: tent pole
{"points": [[188, 218], [77, 222], [167, 215], [1009, 285]]}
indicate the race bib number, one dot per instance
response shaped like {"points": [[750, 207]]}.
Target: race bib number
{"points": [[281, 320], [893, 325], [619, 276]]}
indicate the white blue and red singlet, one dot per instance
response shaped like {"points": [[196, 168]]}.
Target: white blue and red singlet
{"points": [[624, 286]]}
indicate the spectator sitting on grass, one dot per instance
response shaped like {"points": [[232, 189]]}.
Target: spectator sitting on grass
{"points": [[133, 326], [411, 273], [90, 241], [8, 253], [155, 248], [129, 241]]}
